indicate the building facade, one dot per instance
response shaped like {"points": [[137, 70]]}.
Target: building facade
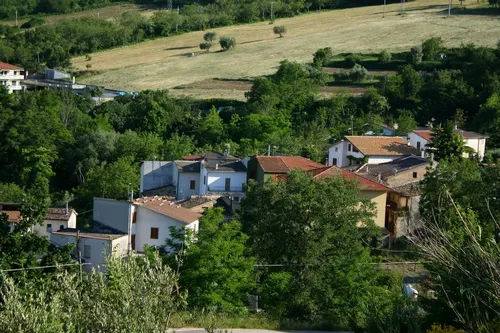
{"points": [[11, 77]]}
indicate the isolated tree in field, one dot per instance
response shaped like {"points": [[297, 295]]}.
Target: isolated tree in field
{"points": [[384, 57], [431, 47], [227, 42], [358, 73], [280, 30], [210, 36], [88, 66], [206, 46]]}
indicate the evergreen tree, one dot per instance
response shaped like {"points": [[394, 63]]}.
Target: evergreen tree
{"points": [[446, 143]]}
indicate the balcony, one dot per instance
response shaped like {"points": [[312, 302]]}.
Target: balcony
{"points": [[225, 189]]}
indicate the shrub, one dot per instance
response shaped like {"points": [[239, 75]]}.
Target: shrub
{"points": [[89, 66], [384, 57], [322, 57], [88, 57], [227, 42], [431, 47], [416, 55], [206, 46], [280, 30], [352, 60], [210, 36], [443, 329], [358, 73], [498, 44], [34, 22]]}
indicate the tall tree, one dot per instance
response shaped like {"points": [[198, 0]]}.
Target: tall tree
{"points": [[446, 142]]}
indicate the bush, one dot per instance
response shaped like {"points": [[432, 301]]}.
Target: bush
{"points": [[34, 22], [280, 30], [88, 57], [498, 44], [210, 36], [352, 60], [206, 46], [416, 55], [358, 73], [227, 42], [431, 47], [444, 329], [384, 57], [322, 57]]}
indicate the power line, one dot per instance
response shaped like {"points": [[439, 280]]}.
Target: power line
{"points": [[367, 263], [41, 267]]}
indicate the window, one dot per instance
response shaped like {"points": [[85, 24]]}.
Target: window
{"points": [[61, 227], [86, 251], [334, 161], [349, 147], [418, 145], [354, 149], [415, 175], [134, 218], [154, 233], [132, 241], [49, 227], [228, 184], [192, 185], [336, 149], [236, 199]]}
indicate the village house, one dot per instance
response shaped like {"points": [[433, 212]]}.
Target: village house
{"points": [[56, 218], [421, 137], [262, 168], [211, 173], [146, 220], [11, 77], [358, 150], [92, 247], [404, 177]]}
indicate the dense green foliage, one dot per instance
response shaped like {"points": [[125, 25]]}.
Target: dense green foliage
{"points": [[8, 8]]}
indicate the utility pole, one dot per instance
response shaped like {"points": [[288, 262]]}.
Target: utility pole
{"points": [[79, 254], [352, 124], [385, 1], [272, 4], [449, 8], [16, 17]]}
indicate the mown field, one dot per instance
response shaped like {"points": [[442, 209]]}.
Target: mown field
{"points": [[177, 61]]}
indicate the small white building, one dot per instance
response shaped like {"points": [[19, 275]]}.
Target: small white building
{"points": [[11, 77], [358, 150], [93, 247], [146, 221], [211, 173], [420, 139]]}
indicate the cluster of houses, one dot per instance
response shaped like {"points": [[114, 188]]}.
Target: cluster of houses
{"points": [[388, 170]]}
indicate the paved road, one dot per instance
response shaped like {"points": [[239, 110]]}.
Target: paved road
{"points": [[237, 330]]}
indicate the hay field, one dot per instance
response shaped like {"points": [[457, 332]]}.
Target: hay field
{"points": [[109, 12], [167, 62]]}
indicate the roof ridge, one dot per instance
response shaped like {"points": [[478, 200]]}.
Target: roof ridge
{"points": [[370, 180], [326, 168], [282, 160]]}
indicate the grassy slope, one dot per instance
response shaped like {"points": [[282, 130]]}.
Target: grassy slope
{"points": [[166, 62]]}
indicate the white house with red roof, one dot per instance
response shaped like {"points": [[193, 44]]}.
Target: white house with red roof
{"points": [[421, 137], [11, 77]]}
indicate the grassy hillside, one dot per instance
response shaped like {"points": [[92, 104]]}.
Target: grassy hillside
{"points": [[169, 62]]}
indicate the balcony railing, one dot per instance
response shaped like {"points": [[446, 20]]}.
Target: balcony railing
{"points": [[225, 189]]}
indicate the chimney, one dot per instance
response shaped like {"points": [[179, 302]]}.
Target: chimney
{"points": [[379, 178], [67, 208], [216, 166], [74, 80], [422, 153]]}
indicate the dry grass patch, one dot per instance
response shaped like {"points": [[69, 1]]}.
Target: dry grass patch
{"points": [[166, 62]]}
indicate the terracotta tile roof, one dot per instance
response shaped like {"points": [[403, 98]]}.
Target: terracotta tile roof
{"points": [[55, 214], [170, 209], [4, 65], [13, 215], [285, 164], [364, 183], [427, 134], [59, 214], [382, 145]]}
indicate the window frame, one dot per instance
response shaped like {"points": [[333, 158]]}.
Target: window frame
{"points": [[192, 184], [154, 233]]}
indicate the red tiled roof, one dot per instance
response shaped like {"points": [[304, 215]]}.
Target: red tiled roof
{"points": [[163, 206], [364, 183], [13, 215], [424, 134], [285, 164], [4, 65]]}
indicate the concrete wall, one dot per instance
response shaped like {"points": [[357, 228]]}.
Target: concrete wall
{"points": [[42, 230], [11, 79], [380, 201], [147, 219], [155, 174], [414, 139], [183, 187], [113, 213], [405, 177], [217, 181], [340, 151]]}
